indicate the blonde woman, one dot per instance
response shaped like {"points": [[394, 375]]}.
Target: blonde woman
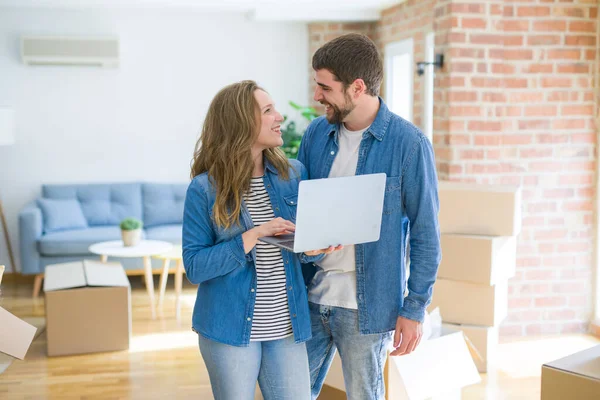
{"points": [[251, 312]]}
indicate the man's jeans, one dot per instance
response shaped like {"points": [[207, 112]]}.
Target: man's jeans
{"points": [[363, 356], [281, 367]]}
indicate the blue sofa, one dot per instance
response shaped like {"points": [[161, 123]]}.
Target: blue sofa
{"points": [[61, 224]]}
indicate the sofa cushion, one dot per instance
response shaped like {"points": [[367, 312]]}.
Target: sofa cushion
{"points": [[168, 233], [61, 214], [76, 242], [163, 203], [102, 204]]}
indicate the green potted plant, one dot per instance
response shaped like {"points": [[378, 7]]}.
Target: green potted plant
{"points": [[291, 134], [131, 231]]}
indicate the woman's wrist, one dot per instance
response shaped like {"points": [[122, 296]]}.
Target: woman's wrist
{"points": [[250, 238]]}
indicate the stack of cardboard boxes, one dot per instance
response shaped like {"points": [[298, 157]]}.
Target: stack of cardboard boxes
{"points": [[479, 225]]}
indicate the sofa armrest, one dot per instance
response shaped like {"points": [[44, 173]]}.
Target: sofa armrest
{"points": [[30, 231]]}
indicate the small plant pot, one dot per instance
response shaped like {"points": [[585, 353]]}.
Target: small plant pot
{"points": [[131, 238]]}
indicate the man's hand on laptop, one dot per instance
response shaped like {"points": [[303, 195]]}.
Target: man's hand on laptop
{"points": [[328, 250]]}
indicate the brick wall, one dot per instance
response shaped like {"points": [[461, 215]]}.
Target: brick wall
{"points": [[515, 104]]}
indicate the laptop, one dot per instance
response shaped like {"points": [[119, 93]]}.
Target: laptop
{"points": [[334, 211]]}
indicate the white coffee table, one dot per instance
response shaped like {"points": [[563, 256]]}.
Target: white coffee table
{"points": [[145, 249]]}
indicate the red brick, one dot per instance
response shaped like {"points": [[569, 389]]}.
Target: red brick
{"points": [[569, 287], [516, 139], [568, 124], [513, 83], [574, 69], [487, 82], [513, 40], [503, 68], [512, 54], [461, 67], [464, 111], [534, 125], [594, 12], [556, 82], [482, 68], [482, 38], [550, 26], [578, 206], [567, 110], [543, 40], [457, 37], [487, 126], [492, 140], [455, 139], [473, 23], [580, 40], [533, 11], [582, 26], [578, 12], [589, 137], [540, 110], [462, 96], [558, 96], [538, 68], [545, 302], [535, 152], [520, 302], [494, 97], [516, 26], [590, 55], [467, 8], [526, 97], [575, 180], [560, 314], [564, 54], [471, 155], [551, 138], [461, 52]]}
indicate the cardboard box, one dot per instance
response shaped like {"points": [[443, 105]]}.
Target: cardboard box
{"points": [[485, 341], [484, 260], [476, 209], [469, 303], [88, 307], [16, 335], [574, 377], [437, 369]]}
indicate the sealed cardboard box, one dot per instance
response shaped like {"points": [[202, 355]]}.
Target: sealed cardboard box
{"points": [[574, 377], [485, 341], [484, 260], [470, 303], [88, 307], [476, 209]]}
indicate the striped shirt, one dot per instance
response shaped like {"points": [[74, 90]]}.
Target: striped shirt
{"points": [[271, 313]]}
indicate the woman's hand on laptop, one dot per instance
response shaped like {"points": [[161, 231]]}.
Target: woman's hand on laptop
{"points": [[328, 250], [276, 226]]}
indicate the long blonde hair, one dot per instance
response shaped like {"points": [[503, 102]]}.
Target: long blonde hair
{"points": [[231, 127]]}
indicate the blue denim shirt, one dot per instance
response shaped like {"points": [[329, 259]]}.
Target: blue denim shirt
{"points": [[398, 148], [214, 259]]}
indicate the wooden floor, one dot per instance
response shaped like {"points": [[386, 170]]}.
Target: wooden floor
{"points": [[164, 362]]}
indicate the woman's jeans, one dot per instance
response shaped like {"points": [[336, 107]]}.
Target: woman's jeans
{"points": [[280, 366]]}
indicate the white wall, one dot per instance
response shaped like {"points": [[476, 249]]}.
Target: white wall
{"points": [[138, 122]]}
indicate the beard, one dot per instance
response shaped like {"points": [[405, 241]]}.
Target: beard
{"points": [[340, 112]]}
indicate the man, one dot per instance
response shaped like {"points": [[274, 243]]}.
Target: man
{"points": [[357, 295]]}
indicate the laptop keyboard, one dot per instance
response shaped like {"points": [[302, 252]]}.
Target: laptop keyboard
{"points": [[287, 243]]}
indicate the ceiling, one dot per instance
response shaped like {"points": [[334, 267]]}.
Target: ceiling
{"points": [[260, 10]]}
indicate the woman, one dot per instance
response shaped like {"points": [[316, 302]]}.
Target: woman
{"points": [[251, 311]]}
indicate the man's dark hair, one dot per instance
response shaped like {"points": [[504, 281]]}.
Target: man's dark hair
{"points": [[350, 57]]}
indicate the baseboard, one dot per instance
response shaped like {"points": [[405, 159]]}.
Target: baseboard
{"points": [[331, 393]]}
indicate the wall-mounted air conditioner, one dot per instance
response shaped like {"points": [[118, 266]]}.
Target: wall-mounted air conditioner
{"points": [[72, 51]]}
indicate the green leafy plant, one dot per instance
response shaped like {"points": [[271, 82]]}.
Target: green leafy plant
{"points": [[131, 224], [291, 134]]}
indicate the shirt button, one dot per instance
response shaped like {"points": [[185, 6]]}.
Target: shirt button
{"points": [[252, 290], [293, 315], [332, 152], [290, 288], [277, 208], [291, 202], [249, 318]]}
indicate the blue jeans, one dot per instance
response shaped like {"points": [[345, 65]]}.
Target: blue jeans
{"points": [[363, 356], [281, 367]]}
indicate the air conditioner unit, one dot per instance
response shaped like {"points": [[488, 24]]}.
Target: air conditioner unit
{"points": [[72, 51]]}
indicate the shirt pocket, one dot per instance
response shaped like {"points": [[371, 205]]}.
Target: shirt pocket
{"points": [[392, 202], [291, 203]]}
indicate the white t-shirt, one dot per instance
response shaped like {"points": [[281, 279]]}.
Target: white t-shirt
{"points": [[335, 284]]}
